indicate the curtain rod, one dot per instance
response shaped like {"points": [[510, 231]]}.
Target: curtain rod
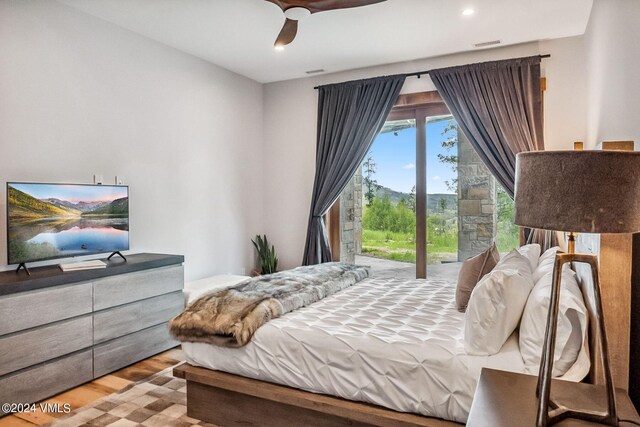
{"points": [[418, 74]]}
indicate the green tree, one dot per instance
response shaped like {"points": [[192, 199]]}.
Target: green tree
{"points": [[378, 214], [443, 204], [507, 233], [384, 216], [450, 132], [371, 185], [411, 200]]}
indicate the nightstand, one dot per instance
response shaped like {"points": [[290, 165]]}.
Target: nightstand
{"points": [[507, 399]]}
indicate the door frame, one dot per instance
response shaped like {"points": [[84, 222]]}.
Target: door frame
{"points": [[419, 106]]}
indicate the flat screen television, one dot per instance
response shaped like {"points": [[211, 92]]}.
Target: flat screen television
{"points": [[49, 221]]}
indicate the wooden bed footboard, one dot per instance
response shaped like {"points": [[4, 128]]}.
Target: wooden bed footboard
{"points": [[231, 400]]}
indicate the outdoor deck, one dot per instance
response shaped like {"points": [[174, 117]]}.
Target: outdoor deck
{"points": [[404, 270]]}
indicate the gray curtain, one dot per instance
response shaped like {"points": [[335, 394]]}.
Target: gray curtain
{"points": [[350, 115], [498, 105], [547, 239]]}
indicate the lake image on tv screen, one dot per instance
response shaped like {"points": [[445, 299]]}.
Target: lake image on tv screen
{"points": [[53, 220]]}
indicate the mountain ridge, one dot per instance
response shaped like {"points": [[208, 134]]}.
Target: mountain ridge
{"points": [[433, 199], [116, 207], [80, 206], [23, 205]]}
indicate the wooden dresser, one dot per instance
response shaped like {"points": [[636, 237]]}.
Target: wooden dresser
{"points": [[59, 330]]}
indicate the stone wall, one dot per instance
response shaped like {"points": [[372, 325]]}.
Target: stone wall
{"points": [[351, 219], [477, 219]]}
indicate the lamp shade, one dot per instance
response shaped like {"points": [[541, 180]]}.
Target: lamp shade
{"points": [[579, 191]]}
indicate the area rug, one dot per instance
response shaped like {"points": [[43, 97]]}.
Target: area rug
{"points": [[157, 401]]}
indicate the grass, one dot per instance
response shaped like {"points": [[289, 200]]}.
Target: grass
{"points": [[440, 246], [402, 246]]}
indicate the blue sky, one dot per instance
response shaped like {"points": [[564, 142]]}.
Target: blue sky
{"points": [[73, 193], [395, 158]]}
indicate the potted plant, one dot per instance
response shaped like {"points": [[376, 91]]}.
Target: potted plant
{"points": [[266, 256]]}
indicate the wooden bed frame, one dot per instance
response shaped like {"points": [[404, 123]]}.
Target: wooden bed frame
{"points": [[232, 400]]}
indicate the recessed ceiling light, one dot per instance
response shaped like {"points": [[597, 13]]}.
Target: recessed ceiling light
{"points": [[468, 12], [279, 48]]}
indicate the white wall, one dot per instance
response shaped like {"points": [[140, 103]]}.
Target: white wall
{"points": [[565, 100], [80, 96], [200, 145], [290, 110], [613, 43]]}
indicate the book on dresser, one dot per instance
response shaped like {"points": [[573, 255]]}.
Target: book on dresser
{"points": [[61, 329], [83, 265]]}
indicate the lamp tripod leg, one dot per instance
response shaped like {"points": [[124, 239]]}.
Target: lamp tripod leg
{"points": [[546, 366], [612, 412], [558, 412]]}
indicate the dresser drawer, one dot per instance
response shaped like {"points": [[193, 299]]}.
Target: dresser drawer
{"points": [[23, 349], [30, 309], [131, 348], [126, 288], [32, 385], [125, 319]]}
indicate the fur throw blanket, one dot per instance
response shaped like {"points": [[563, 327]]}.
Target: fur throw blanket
{"points": [[230, 317]]}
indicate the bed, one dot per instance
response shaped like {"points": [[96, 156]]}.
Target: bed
{"points": [[384, 351]]}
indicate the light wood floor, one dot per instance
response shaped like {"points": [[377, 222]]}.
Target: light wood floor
{"points": [[96, 389]]}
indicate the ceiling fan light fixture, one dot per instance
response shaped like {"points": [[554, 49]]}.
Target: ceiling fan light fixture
{"points": [[279, 47], [297, 13], [296, 10]]}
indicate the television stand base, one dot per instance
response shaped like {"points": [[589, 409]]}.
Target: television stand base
{"points": [[23, 265], [116, 253]]}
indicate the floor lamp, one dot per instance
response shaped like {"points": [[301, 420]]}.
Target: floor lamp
{"points": [[585, 192]]}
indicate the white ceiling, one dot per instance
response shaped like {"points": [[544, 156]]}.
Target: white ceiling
{"points": [[239, 34]]}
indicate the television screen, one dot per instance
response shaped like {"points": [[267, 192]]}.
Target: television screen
{"points": [[47, 221]]}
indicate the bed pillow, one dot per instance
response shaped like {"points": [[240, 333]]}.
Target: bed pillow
{"points": [[548, 254], [471, 271], [546, 263], [571, 355], [496, 305], [532, 253]]}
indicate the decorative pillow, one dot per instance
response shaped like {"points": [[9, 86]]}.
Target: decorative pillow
{"points": [[571, 355], [496, 305], [471, 271], [532, 253]]}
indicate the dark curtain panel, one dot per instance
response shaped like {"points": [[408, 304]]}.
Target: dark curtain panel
{"points": [[350, 115], [547, 239], [498, 105]]}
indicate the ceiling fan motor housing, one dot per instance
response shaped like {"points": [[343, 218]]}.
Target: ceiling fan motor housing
{"points": [[297, 13], [295, 10]]}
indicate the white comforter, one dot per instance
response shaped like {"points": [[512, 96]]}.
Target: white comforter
{"points": [[393, 343]]}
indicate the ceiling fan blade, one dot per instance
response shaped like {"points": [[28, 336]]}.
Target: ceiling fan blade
{"points": [[342, 4], [322, 5], [288, 33]]}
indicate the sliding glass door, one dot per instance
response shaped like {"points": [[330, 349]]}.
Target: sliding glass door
{"points": [[389, 200], [442, 191], [421, 116], [422, 200]]}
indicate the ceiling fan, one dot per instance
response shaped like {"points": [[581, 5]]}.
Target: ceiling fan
{"points": [[296, 10]]}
